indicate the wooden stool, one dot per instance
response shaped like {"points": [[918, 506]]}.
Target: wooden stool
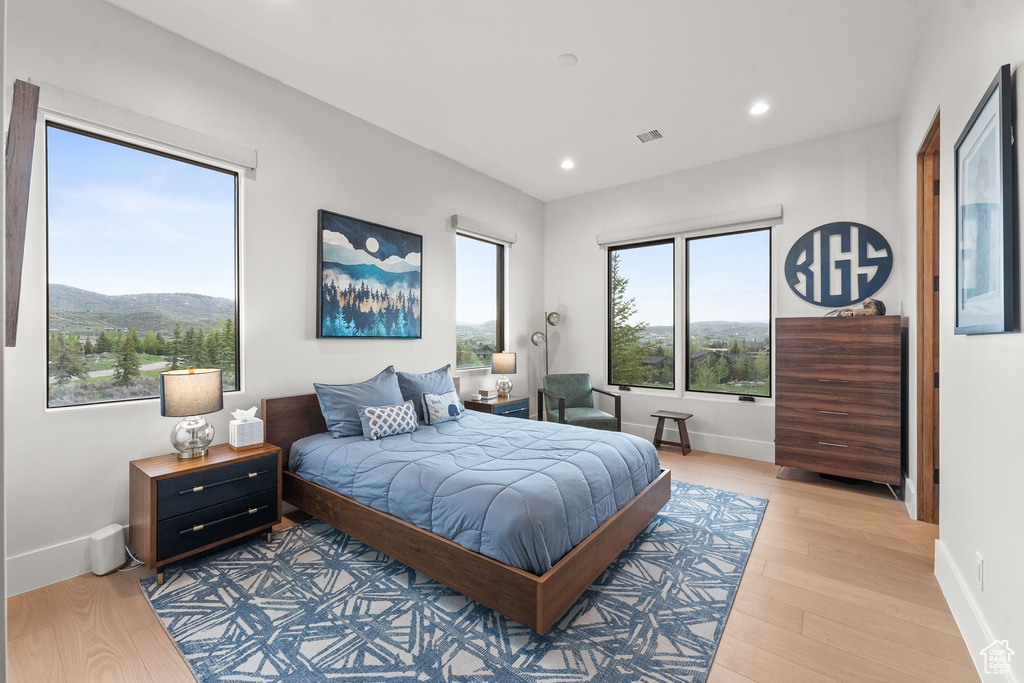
{"points": [[684, 437]]}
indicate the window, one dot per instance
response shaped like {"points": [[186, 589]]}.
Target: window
{"points": [[142, 268], [479, 301], [728, 313], [642, 315]]}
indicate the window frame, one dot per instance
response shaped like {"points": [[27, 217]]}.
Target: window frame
{"points": [[137, 143], [500, 340], [686, 309], [675, 310]]}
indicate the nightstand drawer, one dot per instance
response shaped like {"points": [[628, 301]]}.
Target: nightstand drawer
{"points": [[517, 409], [178, 495], [212, 524]]}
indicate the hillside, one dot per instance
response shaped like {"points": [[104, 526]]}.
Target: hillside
{"points": [[82, 311]]}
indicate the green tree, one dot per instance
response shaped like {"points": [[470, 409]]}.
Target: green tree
{"points": [[153, 344], [227, 343], [104, 344], [88, 348], [175, 347], [628, 351], [66, 361], [709, 372], [127, 366], [762, 365], [194, 348]]}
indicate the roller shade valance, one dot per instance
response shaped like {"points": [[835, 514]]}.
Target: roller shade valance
{"points": [[759, 216]]}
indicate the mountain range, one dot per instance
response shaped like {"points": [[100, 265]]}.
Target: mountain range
{"points": [[81, 311]]}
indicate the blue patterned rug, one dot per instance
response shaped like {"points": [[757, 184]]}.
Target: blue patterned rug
{"points": [[317, 605]]}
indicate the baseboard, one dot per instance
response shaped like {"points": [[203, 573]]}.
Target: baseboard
{"points": [[910, 496], [966, 613], [42, 567], [714, 443]]}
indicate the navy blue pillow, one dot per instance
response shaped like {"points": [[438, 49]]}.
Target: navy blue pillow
{"points": [[340, 402], [414, 386]]}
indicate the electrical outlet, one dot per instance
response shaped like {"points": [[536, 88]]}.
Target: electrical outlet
{"points": [[981, 570]]}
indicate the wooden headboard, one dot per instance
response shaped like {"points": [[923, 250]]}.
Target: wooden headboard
{"points": [[287, 419]]}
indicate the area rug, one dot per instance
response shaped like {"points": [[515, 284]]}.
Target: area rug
{"points": [[317, 605]]}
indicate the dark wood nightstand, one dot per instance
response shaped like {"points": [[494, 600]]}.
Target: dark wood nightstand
{"points": [[513, 406], [179, 508]]}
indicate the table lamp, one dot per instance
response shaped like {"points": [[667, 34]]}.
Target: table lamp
{"points": [[190, 394], [503, 364]]}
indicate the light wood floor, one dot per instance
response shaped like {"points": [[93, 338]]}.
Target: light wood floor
{"points": [[839, 587]]}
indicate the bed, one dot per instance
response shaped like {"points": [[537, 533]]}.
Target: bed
{"points": [[536, 600]]}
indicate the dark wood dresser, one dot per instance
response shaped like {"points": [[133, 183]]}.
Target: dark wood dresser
{"points": [[838, 396]]}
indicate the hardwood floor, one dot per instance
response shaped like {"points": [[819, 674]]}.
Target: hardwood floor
{"points": [[839, 587]]}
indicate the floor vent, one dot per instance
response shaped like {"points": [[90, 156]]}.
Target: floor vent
{"points": [[650, 135]]}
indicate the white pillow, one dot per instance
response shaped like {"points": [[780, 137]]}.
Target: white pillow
{"points": [[438, 408]]}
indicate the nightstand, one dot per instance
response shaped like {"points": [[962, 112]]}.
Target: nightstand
{"points": [[513, 406], [179, 508]]}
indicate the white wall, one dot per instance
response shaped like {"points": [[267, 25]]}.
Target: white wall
{"points": [[67, 470], [981, 457], [849, 177]]}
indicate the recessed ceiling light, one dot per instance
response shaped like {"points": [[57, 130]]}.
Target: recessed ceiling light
{"points": [[760, 108], [568, 163], [567, 61]]}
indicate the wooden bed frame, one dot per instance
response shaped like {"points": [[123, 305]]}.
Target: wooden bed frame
{"points": [[534, 601]]}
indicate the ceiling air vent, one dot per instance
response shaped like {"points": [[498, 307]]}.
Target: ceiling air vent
{"points": [[650, 135]]}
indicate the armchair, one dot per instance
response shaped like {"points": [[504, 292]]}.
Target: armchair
{"points": [[571, 401]]}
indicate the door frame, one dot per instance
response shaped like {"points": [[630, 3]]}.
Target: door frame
{"points": [[928, 326]]}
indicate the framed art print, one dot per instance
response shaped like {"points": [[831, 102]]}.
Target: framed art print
{"points": [[369, 279], [986, 215]]}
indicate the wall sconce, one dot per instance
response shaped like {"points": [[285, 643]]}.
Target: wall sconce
{"points": [[538, 338]]}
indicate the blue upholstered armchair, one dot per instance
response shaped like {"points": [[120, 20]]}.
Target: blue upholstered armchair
{"points": [[570, 400]]}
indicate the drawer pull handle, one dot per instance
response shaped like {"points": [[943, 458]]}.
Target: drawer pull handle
{"points": [[831, 412], [837, 381], [197, 489], [833, 348], [200, 527], [837, 445]]}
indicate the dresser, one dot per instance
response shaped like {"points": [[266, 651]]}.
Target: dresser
{"points": [[838, 396], [179, 508], [513, 406]]}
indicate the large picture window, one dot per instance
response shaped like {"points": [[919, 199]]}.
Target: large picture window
{"points": [[642, 315], [142, 268], [479, 301], [728, 313]]}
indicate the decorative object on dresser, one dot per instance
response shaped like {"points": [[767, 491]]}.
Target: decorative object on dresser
{"points": [[503, 364], [511, 406], [838, 404], [824, 276], [189, 394], [369, 279], [538, 338], [987, 272], [245, 430], [179, 508]]}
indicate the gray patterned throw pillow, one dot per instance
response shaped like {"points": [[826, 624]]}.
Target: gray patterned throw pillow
{"points": [[381, 421]]}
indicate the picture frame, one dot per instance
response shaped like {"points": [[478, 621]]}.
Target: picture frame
{"points": [[987, 263], [369, 279]]}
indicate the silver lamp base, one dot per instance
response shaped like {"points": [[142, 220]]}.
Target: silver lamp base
{"points": [[192, 437], [504, 386]]}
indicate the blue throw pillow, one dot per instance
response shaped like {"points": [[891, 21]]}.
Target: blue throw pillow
{"points": [[380, 421], [440, 408], [340, 402], [414, 386]]}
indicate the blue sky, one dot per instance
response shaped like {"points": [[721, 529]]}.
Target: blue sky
{"points": [[728, 279], [123, 221], [476, 291]]}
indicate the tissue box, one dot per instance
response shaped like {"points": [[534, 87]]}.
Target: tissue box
{"points": [[245, 434]]}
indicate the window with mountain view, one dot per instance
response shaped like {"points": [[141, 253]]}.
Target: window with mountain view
{"points": [[728, 303], [141, 268], [642, 315], [479, 301]]}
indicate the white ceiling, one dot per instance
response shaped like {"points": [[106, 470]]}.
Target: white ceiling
{"points": [[477, 80]]}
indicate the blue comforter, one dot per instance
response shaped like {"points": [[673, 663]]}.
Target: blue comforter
{"points": [[522, 492]]}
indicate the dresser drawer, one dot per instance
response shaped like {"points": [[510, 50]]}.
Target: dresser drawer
{"points": [[518, 409], [177, 495], [858, 430], [838, 367], [856, 461], [854, 396], [182, 534]]}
